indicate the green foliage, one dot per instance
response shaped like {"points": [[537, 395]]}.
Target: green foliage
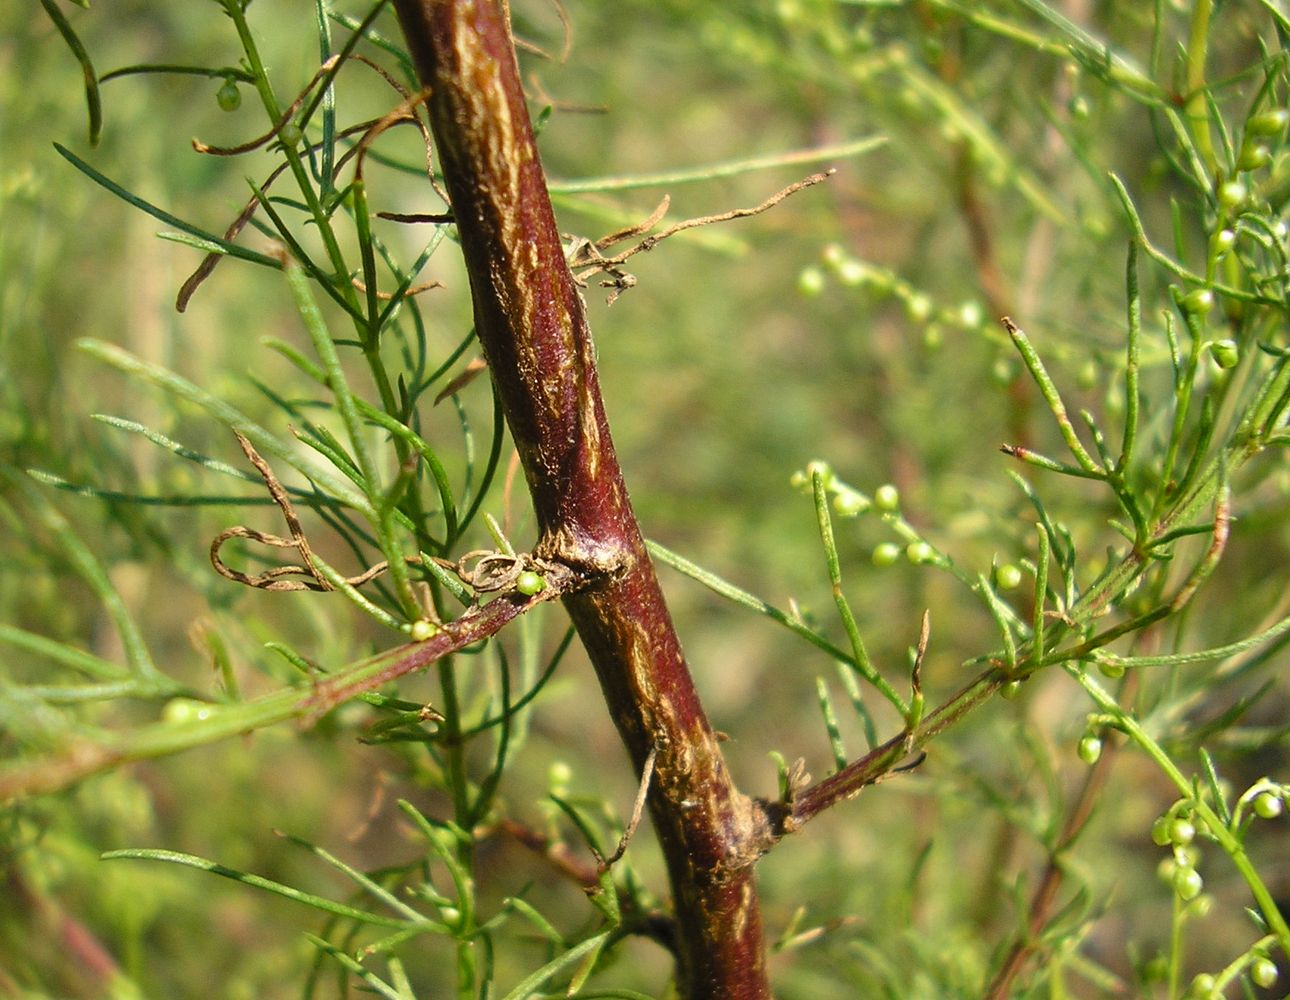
{"points": [[1118, 188]]}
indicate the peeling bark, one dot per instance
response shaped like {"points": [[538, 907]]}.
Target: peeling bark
{"points": [[533, 330]]}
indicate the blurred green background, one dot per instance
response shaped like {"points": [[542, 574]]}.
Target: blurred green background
{"points": [[855, 323]]}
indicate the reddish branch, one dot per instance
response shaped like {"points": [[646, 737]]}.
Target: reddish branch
{"points": [[533, 331]]}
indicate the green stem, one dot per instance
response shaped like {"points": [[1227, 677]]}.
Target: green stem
{"points": [[1218, 829], [1197, 53]]}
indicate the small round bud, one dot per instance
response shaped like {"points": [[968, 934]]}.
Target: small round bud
{"points": [[1199, 301], [529, 583], [821, 469], [919, 553], [970, 315], [887, 497], [1225, 353], [289, 135], [919, 307], [558, 776], [886, 554], [1203, 987], [1253, 157], [1263, 972], [1222, 241], [852, 272], [1160, 831], [1011, 690], [1089, 749], [422, 630], [1007, 577], [1268, 122], [810, 281], [833, 254], [1232, 194], [1187, 883], [849, 503], [1182, 831], [1110, 669], [228, 97], [186, 710], [1267, 805]]}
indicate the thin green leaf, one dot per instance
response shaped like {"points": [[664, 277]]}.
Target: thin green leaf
{"points": [[712, 171], [265, 443], [831, 724], [88, 567], [374, 982], [230, 248], [87, 663], [92, 98], [531, 982], [258, 882], [724, 588], [369, 886]]}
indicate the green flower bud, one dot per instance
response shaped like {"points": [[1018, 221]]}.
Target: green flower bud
{"points": [[1267, 805], [1253, 157], [1090, 749], [1160, 831], [849, 503], [187, 710], [1225, 353], [529, 583], [1110, 669], [228, 97], [558, 776], [1263, 973], [1188, 883], [422, 630], [1232, 194], [886, 554], [919, 553], [919, 308], [970, 315], [1268, 122], [1221, 242], [1199, 301], [852, 272], [811, 281], [1182, 831], [887, 497], [289, 135], [1203, 987], [1007, 577], [1011, 690]]}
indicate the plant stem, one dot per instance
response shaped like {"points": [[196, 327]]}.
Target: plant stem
{"points": [[533, 330]]}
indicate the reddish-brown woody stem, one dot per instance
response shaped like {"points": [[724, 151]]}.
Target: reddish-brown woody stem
{"points": [[532, 327]]}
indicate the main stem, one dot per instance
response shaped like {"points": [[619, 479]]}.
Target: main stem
{"points": [[531, 324]]}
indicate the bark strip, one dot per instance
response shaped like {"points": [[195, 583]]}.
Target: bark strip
{"points": [[532, 327]]}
